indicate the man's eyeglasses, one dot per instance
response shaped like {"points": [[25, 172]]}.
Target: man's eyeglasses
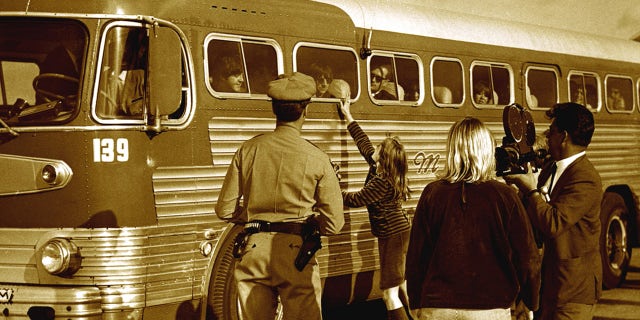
{"points": [[376, 78]]}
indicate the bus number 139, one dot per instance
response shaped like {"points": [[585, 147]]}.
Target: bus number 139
{"points": [[110, 150]]}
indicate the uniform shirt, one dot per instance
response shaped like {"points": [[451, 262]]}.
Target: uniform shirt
{"points": [[386, 214], [281, 177]]}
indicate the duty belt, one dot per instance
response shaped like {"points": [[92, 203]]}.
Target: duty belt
{"points": [[256, 226], [308, 230]]}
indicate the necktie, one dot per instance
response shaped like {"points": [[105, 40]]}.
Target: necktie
{"points": [[554, 167]]}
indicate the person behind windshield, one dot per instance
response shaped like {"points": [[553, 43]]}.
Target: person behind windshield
{"points": [[60, 73]]}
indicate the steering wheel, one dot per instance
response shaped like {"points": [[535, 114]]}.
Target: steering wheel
{"points": [[49, 96]]}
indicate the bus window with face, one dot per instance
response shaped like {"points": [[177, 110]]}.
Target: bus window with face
{"points": [[447, 82], [408, 75], [41, 63], [619, 93], [240, 67], [541, 90], [123, 75], [584, 89], [326, 63], [491, 84], [395, 77]]}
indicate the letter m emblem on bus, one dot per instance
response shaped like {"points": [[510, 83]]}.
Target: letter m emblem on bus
{"points": [[6, 295]]}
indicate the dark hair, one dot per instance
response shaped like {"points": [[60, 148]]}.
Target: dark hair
{"points": [[137, 42], [288, 111], [482, 87], [575, 119], [226, 66], [317, 70]]}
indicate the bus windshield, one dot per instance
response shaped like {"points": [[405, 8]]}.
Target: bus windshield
{"points": [[41, 63]]}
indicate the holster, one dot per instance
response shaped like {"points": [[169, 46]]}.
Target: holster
{"points": [[239, 243], [311, 242]]}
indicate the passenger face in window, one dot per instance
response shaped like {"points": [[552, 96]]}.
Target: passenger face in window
{"points": [[377, 77], [577, 93], [323, 76], [236, 82], [578, 96], [482, 93], [382, 87], [616, 100], [228, 75]]}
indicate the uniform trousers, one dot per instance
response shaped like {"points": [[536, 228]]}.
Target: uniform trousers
{"points": [[267, 271]]}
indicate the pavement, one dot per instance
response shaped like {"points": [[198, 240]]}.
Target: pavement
{"points": [[623, 302]]}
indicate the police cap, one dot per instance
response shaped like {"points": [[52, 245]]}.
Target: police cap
{"points": [[294, 87]]}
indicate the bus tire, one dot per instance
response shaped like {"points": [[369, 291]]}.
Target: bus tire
{"points": [[614, 241], [222, 299]]}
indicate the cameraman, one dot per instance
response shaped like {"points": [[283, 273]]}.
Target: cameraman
{"points": [[569, 221]]}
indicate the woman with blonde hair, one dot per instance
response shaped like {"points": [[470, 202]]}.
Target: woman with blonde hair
{"points": [[472, 251]]}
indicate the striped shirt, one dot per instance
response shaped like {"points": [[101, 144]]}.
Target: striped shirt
{"points": [[386, 214]]}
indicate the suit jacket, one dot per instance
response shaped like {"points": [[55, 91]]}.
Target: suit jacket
{"points": [[570, 227]]}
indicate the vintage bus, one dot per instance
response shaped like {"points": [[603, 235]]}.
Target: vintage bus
{"points": [[116, 133]]}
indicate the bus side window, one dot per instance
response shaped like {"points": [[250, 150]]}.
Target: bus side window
{"points": [[619, 93], [447, 82], [584, 89], [122, 88], [408, 76], [239, 67], [395, 77], [491, 84], [541, 90], [325, 64]]}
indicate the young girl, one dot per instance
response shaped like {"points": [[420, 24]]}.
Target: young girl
{"points": [[386, 187]]}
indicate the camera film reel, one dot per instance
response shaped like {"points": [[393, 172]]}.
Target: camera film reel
{"points": [[519, 127]]}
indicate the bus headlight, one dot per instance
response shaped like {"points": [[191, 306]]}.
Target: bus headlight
{"points": [[60, 257], [55, 174]]}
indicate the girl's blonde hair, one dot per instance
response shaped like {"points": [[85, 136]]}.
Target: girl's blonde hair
{"points": [[470, 152], [393, 166]]}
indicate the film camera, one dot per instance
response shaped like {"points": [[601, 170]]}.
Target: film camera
{"points": [[517, 144]]}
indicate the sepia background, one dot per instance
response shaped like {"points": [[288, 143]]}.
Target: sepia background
{"points": [[617, 18]]}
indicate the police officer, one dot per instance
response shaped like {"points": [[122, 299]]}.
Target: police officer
{"points": [[281, 180]]}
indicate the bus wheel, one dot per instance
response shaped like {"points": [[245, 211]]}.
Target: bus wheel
{"points": [[222, 301], [614, 245]]}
